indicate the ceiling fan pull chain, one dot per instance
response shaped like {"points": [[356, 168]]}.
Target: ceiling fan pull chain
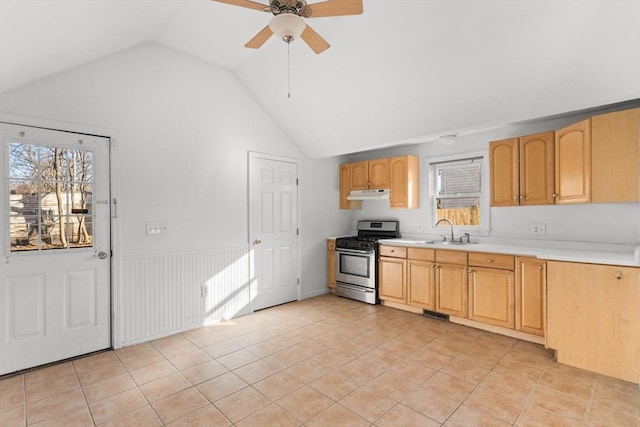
{"points": [[289, 70]]}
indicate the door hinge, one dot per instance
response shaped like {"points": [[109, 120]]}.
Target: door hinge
{"points": [[297, 181], [298, 280], [297, 231]]}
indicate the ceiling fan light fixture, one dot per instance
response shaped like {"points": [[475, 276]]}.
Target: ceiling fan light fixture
{"points": [[287, 26]]}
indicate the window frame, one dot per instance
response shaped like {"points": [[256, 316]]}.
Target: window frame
{"points": [[484, 228]]}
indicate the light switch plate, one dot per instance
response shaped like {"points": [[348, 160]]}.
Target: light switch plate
{"points": [[155, 228]]}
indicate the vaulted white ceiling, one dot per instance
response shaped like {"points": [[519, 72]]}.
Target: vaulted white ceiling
{"points": [[405, 71]]}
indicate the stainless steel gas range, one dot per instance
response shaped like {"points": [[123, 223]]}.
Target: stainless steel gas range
{"points": [[356, 260]]}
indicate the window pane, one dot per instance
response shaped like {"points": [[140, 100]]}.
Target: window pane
{"points": [[458, 178], [469, 215], [23, 234], [55, 234], [458, 191], [50, 198], [23, 160]]}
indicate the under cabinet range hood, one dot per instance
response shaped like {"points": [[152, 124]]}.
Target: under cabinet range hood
{"points": [[369, 195]]}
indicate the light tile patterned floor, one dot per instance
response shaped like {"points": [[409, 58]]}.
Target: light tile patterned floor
{"points": [[325, 361]]}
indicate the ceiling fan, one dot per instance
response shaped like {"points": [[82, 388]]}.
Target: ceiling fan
{"points": [[288, 22]]}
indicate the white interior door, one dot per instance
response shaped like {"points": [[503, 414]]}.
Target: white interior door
{"points": [[55, 275], [273, 234]]}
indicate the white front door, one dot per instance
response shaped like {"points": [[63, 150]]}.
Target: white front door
{"points": [[55, 274], [273, 232]]}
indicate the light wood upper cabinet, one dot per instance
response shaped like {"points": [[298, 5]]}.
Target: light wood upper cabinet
{"points": [[615, 139], [331, 263], [504, 170], [593, 317], [404, 172], [491, 289], [573, 163], [398, 174], [392, 265], [421, 287], [379, 174], [537, 169], [345, 188], [359, 178], [531, 286], [522, 170]]}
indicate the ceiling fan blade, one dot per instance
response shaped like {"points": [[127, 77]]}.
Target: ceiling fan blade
{"points": [[336, 8], [246, 3], [314, 40], [259, 39]]}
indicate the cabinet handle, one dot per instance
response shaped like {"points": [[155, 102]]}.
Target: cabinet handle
{"points": [[470, 271], [489, 260], [521, 197], [554, 195], [619, 275], [540, 268], [516, 197]]}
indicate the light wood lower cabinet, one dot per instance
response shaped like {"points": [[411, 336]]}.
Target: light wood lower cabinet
{"points": [[491, 290], [594, 317], [421, 279], [392, 266], [331, 263], [451, 283], [531, 295]]}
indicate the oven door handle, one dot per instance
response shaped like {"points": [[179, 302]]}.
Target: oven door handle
{"points": [[354, 251]]}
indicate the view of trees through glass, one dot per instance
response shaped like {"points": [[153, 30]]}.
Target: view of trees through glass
{"points": [[50, 197]]}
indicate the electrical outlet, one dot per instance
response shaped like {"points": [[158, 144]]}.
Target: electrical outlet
{"points": [[420, 227], [538, 229]]}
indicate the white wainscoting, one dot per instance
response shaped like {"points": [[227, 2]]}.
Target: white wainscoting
{"points": [[169, 293]]}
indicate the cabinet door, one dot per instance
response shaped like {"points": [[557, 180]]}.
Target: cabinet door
{"points": [[421, 284], [491, 296], [379, 174], [537, 169], [392, 281], [451, 289], [345, 188], [403, 182], [573, 163], [593, 317], [360, 176], [616, 157], [331, 263], [503, 167], [531, 285]]}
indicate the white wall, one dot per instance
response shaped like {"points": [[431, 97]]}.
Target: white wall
{"points": [[606, 223], [183, 130]]}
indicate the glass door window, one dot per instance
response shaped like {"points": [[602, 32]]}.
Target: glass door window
{"points": [[50, 197]]}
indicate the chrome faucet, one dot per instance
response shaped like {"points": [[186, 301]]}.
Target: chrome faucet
{"points": [[450, 225]]}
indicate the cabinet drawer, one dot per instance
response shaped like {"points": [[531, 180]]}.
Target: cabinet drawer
{"points": [[331, 244], [393, 251], [451, 257], [481, 259], [421, 254]]}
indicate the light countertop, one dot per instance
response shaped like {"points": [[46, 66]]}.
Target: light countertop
{"points": [[608, 256]]}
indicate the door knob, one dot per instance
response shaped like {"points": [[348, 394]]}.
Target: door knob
{"points": [[101, 255], [257, 242]]}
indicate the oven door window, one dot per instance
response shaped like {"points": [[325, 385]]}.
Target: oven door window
{"points": [[355, 265]]}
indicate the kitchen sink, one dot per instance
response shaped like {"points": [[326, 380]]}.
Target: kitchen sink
{"points": [[456, 243], [432, 242]]}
